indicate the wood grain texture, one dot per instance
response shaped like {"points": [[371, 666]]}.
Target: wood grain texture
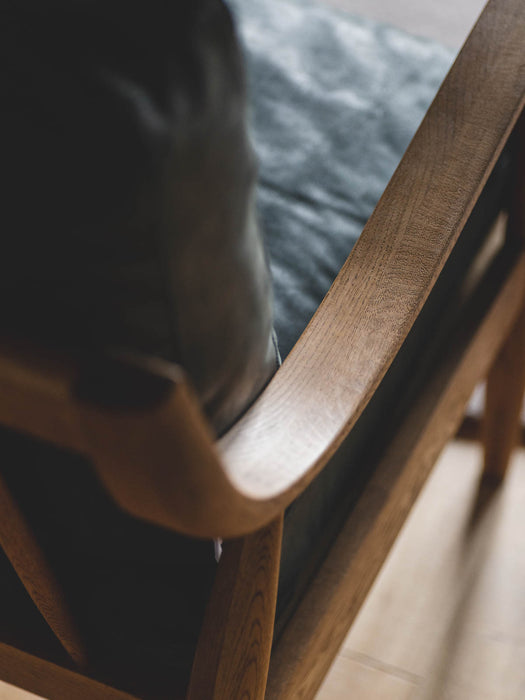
{"points": [[506, 379], [21, 547], [35, 393], [339, 361], [310, 642], [290, 433], [51, 681], [517, 208], [348, 680], [233, 655], [177, 477], [504, 397]]}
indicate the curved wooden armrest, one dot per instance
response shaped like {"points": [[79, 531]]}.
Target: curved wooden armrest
{"points": [[181, 479], [312, 403], [315, 399]]}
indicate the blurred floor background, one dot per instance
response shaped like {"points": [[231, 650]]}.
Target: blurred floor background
{"points": [[445, 619], [448, 21]]}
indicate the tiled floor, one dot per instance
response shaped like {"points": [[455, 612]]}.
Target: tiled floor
{"points": [[448, 21], [446, 616]]}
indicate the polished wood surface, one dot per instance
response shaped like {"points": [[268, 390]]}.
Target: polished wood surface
{"points": [[50, 681], [21, 547], [311, 639], [506, 379], [294, 428], [336, 365], [504, 398], [233, 655]]}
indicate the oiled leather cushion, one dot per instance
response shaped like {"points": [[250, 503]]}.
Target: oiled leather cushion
{"points": [[335, 101], [129, 218]]}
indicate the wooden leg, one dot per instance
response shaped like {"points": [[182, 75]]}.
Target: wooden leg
{"points": [[47, 680], [505, 389], [233, 654], [20, 545], [506, 379]]}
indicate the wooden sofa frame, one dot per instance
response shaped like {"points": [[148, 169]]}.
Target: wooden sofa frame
{"points": [[161, 463]]}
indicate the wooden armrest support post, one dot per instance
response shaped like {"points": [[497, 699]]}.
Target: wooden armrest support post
{"points": [[506, 378]]}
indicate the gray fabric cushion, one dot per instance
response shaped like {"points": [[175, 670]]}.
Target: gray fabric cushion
{"points": [[129, 219], [335, 101]]}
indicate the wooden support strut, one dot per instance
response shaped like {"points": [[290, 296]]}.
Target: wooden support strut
{"points": [[29, 562], [506, 378], [233, 655]]}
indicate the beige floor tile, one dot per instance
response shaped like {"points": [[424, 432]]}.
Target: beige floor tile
{"points": [[447, 21], [449, 605], [351, 680], [8, 692]]}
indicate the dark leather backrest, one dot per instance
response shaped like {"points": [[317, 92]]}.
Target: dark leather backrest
{"points": [[130, 219]]}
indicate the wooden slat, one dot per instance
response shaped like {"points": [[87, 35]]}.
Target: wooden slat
{"points": [[311, 639], [51, 681], [35, 394], [21, 547], [183, 481], [506, 379], [234, 648]]}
